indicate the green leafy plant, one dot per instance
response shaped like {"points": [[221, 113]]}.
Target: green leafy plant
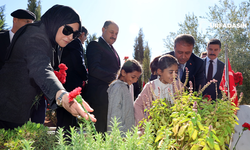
{"points": [[193, 122], [30, 135]]}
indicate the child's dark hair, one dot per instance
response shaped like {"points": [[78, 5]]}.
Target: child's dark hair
{"points": [[154, 64], [130, 66], [166, 61]]}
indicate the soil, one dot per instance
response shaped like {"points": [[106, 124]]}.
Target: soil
{"points": [[49, 123]]}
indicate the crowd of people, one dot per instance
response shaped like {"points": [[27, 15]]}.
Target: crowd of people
{"points": [[30, 52]]}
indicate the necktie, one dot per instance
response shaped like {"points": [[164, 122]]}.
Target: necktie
{"points": [[210, 71], [180, 70], [114, 52]]}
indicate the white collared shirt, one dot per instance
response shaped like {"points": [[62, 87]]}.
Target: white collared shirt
{"points": [[184, 65], [106, 42], [214, 66], [11, 35]]}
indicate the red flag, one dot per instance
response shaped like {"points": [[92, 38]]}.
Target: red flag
{"points": [[232, 86]]}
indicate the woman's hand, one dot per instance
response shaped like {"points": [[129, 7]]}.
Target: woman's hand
{"points": [[75, 108]]}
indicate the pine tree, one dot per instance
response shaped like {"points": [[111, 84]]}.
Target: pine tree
{"points": [[146, 64], [139, 55], [35, 7], [89, 39], [139, 47], [2, 17]]}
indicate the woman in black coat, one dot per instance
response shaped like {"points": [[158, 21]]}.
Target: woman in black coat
{"points": [[28, 69]]}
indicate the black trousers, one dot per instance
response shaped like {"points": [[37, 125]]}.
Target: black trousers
{"points": [[9, 125], [65, 119], [100, 112], [38, 113]]}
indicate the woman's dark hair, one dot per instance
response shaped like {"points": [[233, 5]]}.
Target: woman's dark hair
{"points": [[154, 64], [57, 16], [130, 66], [166, 61]]}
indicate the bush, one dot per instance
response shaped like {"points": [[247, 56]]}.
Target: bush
{"points": [[28, 136]]}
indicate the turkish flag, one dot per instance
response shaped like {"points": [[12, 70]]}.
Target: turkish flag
{"points": [[232, 86]]}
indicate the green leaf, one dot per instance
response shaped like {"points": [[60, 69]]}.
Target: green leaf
{"points": [[216, 146], [210, 142], [216, 138], [182, 129], [195, 147], [194, 135]]}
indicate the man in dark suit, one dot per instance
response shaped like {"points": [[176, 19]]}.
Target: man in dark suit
{"points": [[103, 64], [72, 57], [21, 17], [213, 68], [183, 48]]}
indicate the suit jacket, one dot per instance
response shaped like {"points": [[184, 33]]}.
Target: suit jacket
{"points": [[27, 73], [5, 42], [103, 66], [211, 90], [196, 70], [72, 57]]}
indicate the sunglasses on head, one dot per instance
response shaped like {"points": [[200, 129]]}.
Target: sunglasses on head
{"points": [[67, 30]]}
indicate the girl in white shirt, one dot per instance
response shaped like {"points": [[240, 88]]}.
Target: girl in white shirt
{"points": [[161, 88]]}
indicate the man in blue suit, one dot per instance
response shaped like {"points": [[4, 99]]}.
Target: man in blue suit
{"points": [[183, 51], [213, 68]]}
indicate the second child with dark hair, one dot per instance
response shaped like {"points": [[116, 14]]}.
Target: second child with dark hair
{"points": [[153, 68], [160, 88], [119, 96]]}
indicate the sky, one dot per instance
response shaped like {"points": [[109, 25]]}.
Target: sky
{"points": [[157, 18]]}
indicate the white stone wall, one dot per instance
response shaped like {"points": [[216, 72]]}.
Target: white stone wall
{"points": [[244, 142]]}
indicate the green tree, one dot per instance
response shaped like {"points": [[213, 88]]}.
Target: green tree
{"points": [[139, 52], [90, 38], [2, 17], [139, 47], [35, 7], [146, 64], [189, 26], [237, 38]]}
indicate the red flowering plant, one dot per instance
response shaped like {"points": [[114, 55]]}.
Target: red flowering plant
{"points": [[75, 94], [208, 97], [126, 58], [246, 126], [238, 78], [61, 74]]}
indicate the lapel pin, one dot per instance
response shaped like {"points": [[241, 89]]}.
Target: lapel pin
{"points": [[190, 63]]}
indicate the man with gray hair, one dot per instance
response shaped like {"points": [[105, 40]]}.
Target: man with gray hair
{"points": [[183, 51], [103, 64]]}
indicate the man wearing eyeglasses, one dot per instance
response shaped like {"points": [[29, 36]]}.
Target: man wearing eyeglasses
{"points": [[72, 57], [21, 17], [103, 64]]}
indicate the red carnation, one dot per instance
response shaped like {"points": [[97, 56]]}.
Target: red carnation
{"points": [[74, 93], [238, 78], [126, 58], [61, 74], [62, 66], [208, 97], [246, 126]]}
